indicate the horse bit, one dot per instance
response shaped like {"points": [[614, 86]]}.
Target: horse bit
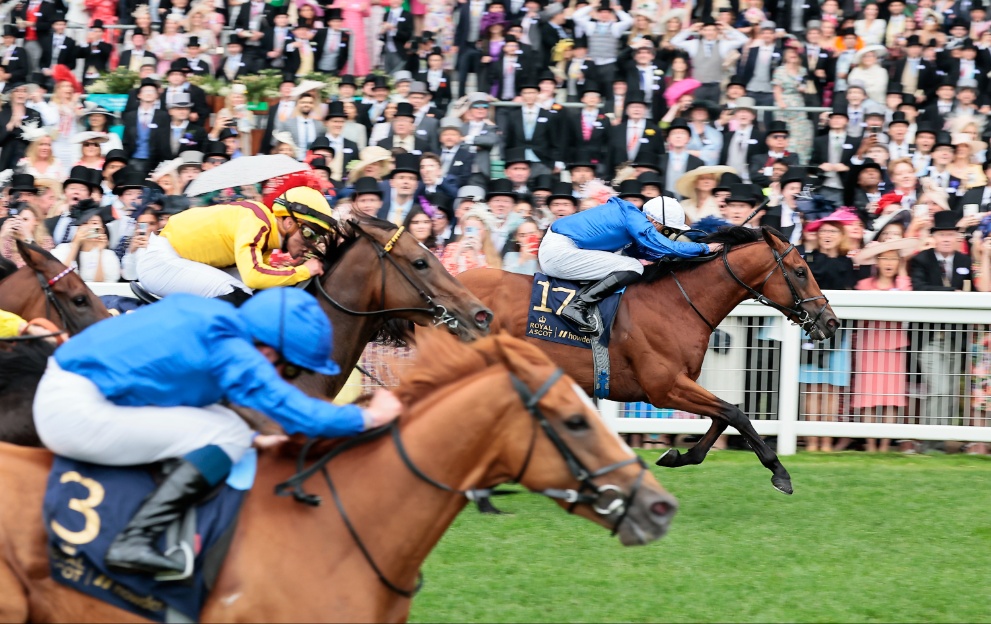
{"points": [[804, 319], [588, 493], [439, 313]]}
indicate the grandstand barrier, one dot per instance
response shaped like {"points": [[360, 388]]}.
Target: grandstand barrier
{"points": [[904, 365]]}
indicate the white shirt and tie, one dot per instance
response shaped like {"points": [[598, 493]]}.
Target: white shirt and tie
{"points": [[634, 132], [307, 133], [530, 117], [791, 218], [447, 159]]}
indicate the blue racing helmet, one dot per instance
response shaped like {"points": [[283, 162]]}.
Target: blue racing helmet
{"points": [[291, 322]]}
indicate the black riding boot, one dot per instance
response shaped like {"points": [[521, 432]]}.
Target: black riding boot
{"points": [[236, 297], [134, 549], [579, 311]]}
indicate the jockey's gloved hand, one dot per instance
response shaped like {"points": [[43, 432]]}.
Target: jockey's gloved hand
{"points": [[383, 408]]}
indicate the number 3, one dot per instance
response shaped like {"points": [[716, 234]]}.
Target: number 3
{"points": [[85, 506]]}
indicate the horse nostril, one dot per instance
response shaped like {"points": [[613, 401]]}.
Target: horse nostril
{"points": [[660, 509], [832, 324], [482, 318]]}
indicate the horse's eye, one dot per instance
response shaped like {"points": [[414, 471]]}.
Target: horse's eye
{"points": [[800, 273], [576, 423], [80, 301], [420, 264]]}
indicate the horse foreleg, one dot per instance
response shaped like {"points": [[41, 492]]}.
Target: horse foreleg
{"points": [[14, 606], [689, 396]]}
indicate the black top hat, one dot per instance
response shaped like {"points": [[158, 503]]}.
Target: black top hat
{"points": [[546, 75], [708, 107], [379, 82], [646, 164], [335, 110], [581, 41], [87, 209], [943, 139], [405, 109], [944, 221], [898, 117], [563, 190], [742, 193], [227, 133], [321, 143], [708, 20], [334, 14], [407, 163], [591, 86], [777, 127], [945, 81], [23, 182], [737, 80], [528, 83], [58, 17], [79, 174], [9, 30], [127, 179], [839, 111], [581, 162], [630, 188], [215, 148], [913, 40], [958, 22], [347, 79], [895, 88], [679, 123], [652, 178], [319, 163], [926, 128], [148, 82], [908, 99], [726, 182], [869, 163], [516, 155], [96, 180], [115, 155], [543, 182], [174, 204], [179, 65], [367, 186], [794, 174], [634, 97], [193, 42], [500, 186]]}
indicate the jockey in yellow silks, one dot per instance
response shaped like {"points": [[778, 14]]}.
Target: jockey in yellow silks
{"points": [[225, 251]]}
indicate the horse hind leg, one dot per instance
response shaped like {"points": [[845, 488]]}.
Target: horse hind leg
{"points": [[689, 396]]}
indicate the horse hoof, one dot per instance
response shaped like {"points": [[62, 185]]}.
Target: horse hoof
{"points": [[669, 459], [485, 506], [782, 485]]}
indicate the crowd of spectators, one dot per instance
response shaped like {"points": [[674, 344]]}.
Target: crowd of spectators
{"points": [[858, 128]]}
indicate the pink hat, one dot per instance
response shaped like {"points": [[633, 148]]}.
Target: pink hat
{"points": [[843, 216], [679, 89]]}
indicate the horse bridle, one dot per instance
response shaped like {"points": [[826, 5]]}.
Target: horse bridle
{"points": [[51, 301], [588, 493], [439, 313], [805, 320]]}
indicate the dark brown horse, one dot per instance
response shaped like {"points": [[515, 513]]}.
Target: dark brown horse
{"points": [[661, 331], [46, 288], [494, 411], [376, 274]]}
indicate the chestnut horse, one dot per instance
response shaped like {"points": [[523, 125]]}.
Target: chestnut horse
{"points": [[661, 331], [46, 288], [480, 414], [377, 273]]}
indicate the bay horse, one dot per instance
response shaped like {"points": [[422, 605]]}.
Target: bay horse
{"points": [[377, 273], [46, 288], [479, 414], [661, 330]]}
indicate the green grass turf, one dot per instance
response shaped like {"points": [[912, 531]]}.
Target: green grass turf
{"points": [[864, 538]]}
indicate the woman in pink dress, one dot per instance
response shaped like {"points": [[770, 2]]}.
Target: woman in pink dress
{"points": [[880, 384], [354, 13]]}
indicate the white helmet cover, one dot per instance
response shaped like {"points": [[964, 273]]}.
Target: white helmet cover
{"points": [[666, 211]]}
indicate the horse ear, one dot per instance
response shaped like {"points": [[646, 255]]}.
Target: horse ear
{"points": [[771, 236], [517, 355], [34, 256]]}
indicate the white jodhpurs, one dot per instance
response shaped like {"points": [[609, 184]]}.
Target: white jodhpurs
{"points": [[559, 256], [74, 419], [164, 272]]}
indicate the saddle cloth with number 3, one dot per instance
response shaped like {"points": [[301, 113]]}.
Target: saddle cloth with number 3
{"points": [[549, 296], [86, 506]]}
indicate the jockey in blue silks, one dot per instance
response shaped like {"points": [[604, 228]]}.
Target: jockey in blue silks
{"points": [[584, 246], [152, 385]]}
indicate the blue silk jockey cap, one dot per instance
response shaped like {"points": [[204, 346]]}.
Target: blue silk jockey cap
{"points": [[291, 321]]}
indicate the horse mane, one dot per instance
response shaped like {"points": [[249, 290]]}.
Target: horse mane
{"points": [[730, 237], [442, 359], [22, 363], [7, 268]]}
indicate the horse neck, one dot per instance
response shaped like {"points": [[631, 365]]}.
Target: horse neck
{"points": [[347, 284], [397, 515]]}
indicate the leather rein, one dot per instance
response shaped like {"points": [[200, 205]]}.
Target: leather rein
{"points": [[439, 313], [605, 500], [51, 301], [805, 320]]}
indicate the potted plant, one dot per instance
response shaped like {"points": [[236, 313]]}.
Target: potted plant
{"points": [[213, 88], [111, 89]]}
